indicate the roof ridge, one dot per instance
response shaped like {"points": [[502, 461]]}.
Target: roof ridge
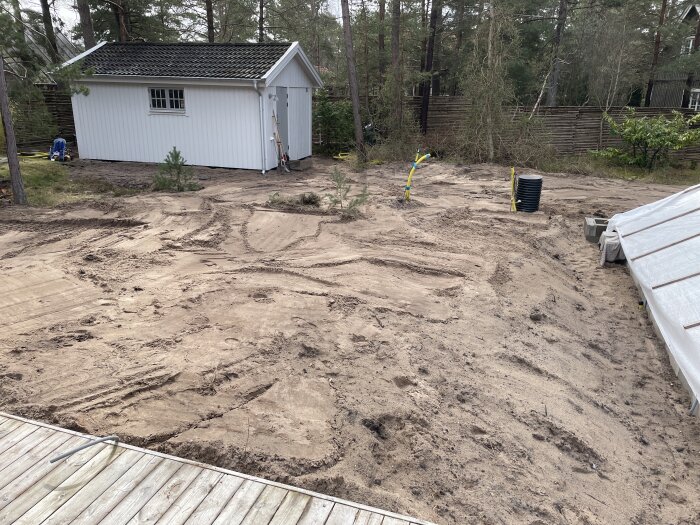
{"points": [[234, 60], [252, 44]]}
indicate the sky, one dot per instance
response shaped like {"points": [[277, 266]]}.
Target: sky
{"points": [[66, 11]]}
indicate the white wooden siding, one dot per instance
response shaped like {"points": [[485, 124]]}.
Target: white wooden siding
{"points": [[293, 75], [220, 127], [299, 122], [269, 105]]}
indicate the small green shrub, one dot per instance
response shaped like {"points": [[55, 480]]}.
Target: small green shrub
{"points": [[341, 189], [305, 199], [649, 140], [174, 174], [339, 198], [275, 199], [310, 199], [359, 200]]}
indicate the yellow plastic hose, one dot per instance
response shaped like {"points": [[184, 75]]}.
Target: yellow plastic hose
{"points": [[407, 188]]}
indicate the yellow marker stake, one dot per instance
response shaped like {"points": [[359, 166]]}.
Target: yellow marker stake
{"points": [[407, 188], [512, 190]]}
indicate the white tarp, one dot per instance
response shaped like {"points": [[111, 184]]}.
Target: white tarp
{"points": [[661, 241]]}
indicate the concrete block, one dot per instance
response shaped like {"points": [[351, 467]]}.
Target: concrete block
{"points": [[301, 165], [593, 227]]}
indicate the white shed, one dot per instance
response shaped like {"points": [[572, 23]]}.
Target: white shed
{"points": [[217, 103]]}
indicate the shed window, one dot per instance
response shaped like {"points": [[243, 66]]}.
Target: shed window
{"points": [[694, 103], [166, 99], [687, 46], [176, 98]]}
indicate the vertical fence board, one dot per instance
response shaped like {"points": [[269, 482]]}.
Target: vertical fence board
{"points": [[568, 130]]}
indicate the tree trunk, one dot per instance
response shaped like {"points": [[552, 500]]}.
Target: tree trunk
{"points": [[380, 41], [488, 102], [539, 97], [657, 51], [437, 54], [352, 81], [17, 11], [316, 51], [51, 46], [210, 21], [86, 24], [365, 53], [691, 77], [552, 91], [459, 39], [261, 21], [425, 91], [397, 78], [425, 5], [119, 11], [18, 195]]}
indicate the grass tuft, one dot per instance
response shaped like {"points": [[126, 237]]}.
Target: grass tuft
{"points": [[677, 173], [49, 184]]}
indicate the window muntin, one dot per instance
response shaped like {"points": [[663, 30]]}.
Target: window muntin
{"points": [[694, 103], [687, 47], [167, 99], [158, 98], [176, 99]]}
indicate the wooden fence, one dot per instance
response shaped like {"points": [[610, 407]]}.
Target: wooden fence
{"points": [[568, 130], [59, 105]]}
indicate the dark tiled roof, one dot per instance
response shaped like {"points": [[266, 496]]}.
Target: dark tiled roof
{"points": [[246, 61]]}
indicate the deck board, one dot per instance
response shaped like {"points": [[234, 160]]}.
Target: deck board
{"points": [[12, 487], [394, 521], [17, 434], [316, 512], [120, 484], [32, 464], [103, 504], [368, 518], [26, 500], [188, 501], [166, 496], [342, 514], [211, 506], [7, 426], [144, 491], [25, 446], [266, 506], [105, 460], [85, 493], [291, 508], [239, 505]]}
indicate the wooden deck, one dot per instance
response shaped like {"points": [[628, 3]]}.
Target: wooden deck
{"points": [[114, 484]]}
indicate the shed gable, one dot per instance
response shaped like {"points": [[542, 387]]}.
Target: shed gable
{"points": [[294, 74]]}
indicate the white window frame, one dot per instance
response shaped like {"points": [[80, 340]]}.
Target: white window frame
{"points": [[694, 102], [687, 46], [171, 97]]}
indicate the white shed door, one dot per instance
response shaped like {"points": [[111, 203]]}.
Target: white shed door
{"points": [[299, 122]]}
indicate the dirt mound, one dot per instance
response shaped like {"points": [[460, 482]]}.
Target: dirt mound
{"points": [[443, 358]]}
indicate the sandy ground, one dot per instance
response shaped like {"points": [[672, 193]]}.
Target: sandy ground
{"points": [[448, 360]]}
